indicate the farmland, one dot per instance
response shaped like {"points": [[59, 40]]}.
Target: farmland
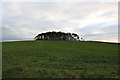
{"points": [[59, 59]]}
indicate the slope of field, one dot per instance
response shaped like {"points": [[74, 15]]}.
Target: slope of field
{"points": [[59, 59]]}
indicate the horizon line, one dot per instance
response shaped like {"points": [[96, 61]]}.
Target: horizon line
{"points": [[61, 40]]}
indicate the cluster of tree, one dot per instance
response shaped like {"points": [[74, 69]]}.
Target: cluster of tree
{"points": [[57, 36]]}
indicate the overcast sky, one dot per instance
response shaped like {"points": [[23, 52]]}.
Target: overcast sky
{"points": [[90, 20]]}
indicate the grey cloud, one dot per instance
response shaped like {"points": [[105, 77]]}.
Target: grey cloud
{"points": [[25, 20], [108, 31]]}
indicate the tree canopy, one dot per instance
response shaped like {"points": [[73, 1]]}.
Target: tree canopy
{"points": [[57, 36]]}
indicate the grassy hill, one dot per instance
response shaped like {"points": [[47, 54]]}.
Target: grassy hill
{"points": [[59, 59]]}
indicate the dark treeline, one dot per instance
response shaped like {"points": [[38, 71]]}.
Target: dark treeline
{"points": [[57, 36]]}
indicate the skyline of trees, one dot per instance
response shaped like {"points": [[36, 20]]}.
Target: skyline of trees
{"points": [[57, 36]]}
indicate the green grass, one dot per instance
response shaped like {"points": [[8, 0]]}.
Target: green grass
{"points": [[59, 59]]}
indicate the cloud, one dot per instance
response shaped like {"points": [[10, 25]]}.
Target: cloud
{"points": [[59, 0], [24, 20], [0, 22]]}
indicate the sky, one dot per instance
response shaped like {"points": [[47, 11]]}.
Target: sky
{"points": [[90, 20]]}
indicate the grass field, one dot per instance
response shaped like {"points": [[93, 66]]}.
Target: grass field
{"points": [[59, 59]]}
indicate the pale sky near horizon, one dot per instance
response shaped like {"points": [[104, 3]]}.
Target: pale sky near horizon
{"points": [[90, 20]]}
